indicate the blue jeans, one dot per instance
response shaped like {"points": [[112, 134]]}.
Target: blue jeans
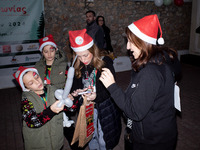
{"points": [[97, 142]]}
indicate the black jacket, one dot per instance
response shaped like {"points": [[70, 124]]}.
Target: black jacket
{"points": [[149, 103], [107, 45], [97, 34]]}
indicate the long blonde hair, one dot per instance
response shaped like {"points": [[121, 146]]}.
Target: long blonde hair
{"points": [[97, 62]]}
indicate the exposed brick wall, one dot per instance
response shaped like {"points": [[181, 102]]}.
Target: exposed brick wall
{"points": [[64, 15]]}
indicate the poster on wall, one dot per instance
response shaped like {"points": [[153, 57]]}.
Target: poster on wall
{"points": [[21, 25]]}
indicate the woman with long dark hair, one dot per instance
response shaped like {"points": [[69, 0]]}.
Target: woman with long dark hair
{"points": [[148, 102], [107, 46]]}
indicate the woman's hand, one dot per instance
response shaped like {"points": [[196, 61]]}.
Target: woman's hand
{"points": [[55, 108], [90, 96], [107, 77]]}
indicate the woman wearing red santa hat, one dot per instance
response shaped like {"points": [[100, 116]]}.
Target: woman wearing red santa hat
{"points": [[88, 67], [148, 102]]}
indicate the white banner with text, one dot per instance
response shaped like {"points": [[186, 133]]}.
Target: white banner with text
{"points": [[21, 25]]}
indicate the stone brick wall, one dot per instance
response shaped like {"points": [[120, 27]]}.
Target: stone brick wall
{"points": [[64, 15]]}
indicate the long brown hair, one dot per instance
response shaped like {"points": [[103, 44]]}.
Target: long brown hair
{"points": [[149, 52], [97, 62]]}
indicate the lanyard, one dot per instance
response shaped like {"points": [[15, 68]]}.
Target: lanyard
{"points": [[44, 99], [47, 74]]}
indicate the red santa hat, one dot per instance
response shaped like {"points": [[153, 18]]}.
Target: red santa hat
{"points": [[147, 29], [18, 75], [80, 40], [48, 40]]}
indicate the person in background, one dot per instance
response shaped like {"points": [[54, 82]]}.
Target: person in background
{"points": [[107, 46], [53, 70], [95, 31], [42, 125], [88, 67], [148, 102]]}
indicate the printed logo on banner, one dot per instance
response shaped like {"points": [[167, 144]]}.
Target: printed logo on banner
{"points": [[28, 59], [1, 49], [6, 49], [22, 26], [13, 60], [19, 48], [15, 48], [33, 47]]}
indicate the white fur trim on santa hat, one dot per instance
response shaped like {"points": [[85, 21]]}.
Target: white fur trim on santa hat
{"points": [[21, 77], [47, 43], [141, 35], [83, 48]]}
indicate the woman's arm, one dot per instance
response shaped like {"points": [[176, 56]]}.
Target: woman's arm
{"points": [[139, 97]]}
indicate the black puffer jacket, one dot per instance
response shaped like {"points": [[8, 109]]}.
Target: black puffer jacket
{"points": [[110, 119]]}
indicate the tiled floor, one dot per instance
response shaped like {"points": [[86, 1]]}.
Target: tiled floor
{"points": [[188, 121]]}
